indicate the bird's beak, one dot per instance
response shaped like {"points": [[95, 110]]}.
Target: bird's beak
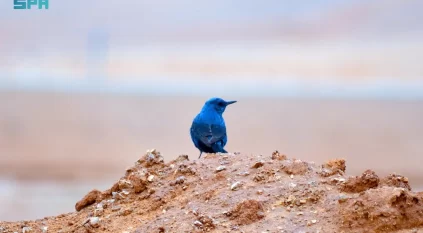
{"points": [[230, 102]]}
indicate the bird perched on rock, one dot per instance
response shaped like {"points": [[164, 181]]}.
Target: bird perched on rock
{"points": [[208, 130]]}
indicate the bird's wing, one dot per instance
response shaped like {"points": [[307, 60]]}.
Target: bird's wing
{"points": [[207, 134], [194, 134], [219, 133], [224, 139]]}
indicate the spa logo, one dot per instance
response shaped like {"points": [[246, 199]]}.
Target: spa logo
{"points": [[30, 4]]}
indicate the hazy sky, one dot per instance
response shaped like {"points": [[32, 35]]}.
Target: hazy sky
{"points": [[67, 23], [312, 41]]}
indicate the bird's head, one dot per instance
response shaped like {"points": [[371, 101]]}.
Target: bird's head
{"points": [[217, 104]]}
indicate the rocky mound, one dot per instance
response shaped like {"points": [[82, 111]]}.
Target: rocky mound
{"points": [[240, 193]]}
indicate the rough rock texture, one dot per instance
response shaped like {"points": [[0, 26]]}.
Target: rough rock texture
{"points": [[278, 156], [357, 184], [395, 180], [383, 210], [89, 199], [251, 194], [295, 167], [247, 212], [332, 167]]}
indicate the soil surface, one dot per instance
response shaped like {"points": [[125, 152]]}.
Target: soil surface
{"points": [[240, 193]]}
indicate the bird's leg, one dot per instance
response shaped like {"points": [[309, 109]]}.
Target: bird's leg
{"points": [[200, 154]]}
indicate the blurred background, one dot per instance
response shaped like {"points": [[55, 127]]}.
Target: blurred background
{"points": [[86, 87]]}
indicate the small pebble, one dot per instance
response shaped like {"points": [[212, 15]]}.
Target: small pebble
{"points": [[99, 206], [236, 185], [243, 173], [339, 180], [342, 198], [180, 180], [220, 168], [314, 221], [126, 192], [198, 223], [195, 212], [258, 164], [26, 229], [94, 221], [150, 178], [116, 208]]}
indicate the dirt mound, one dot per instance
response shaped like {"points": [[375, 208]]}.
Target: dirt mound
{"points": [[240, 193], [383, 210], [247, 212]]}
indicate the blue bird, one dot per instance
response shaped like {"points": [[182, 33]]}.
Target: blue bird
{"points": [[208, 130]]}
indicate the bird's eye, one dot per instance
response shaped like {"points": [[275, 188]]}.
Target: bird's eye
{"points": [[221, 104]]}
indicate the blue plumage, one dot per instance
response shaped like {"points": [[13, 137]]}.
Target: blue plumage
{"points": [[208, 130]]}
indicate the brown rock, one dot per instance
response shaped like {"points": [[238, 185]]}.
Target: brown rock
{"points": [[332, 167], [277, 156], [89, 199], [151, 158], [186, 170], [207, 222], [182, 158], [395, 180], [356, 184], [258, 164], [139, 184], [297, 167], [259, 177], [124, 184]]}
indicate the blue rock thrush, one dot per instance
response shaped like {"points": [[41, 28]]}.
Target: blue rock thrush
{"points": [[208, 130]]}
